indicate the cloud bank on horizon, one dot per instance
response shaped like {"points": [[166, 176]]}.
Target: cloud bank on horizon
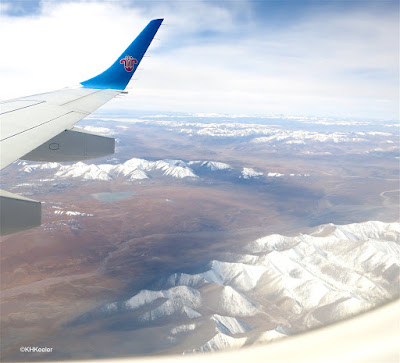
{"points": [[291, 57]]}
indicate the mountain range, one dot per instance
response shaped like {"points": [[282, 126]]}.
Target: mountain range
{"points": [[140, 169], [280, 286]]}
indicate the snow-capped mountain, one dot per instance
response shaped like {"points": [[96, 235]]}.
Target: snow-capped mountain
{"points": [[229, 325], [212, 165], [301, 137], [262, 129], [176, 300], [304, 135], [71, 213], [307, 280], [133, 169], [248, 173], [138, 169], [84, 171], [220, 341], [243, 277], [29, 168]]}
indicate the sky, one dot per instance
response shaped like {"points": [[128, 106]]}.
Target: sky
{"points": [[336, 58]]}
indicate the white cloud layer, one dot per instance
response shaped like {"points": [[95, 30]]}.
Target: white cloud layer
{"points": [[336, 64]]}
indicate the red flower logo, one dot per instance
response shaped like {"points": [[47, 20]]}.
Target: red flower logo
{"points": [[128, 63]]}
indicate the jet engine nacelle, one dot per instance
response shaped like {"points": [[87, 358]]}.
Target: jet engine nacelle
{"points": [[18, 213], [73, 145]]}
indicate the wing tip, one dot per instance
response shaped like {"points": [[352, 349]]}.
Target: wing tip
{"points": [[118, 75]]}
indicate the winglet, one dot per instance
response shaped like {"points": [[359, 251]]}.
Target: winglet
{"points": [[120, 73]]}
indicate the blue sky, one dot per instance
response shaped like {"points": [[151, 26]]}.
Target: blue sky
{"points": [[324, 58]]}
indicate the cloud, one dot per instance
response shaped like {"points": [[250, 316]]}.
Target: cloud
{"points": [[215, 57], [20, 7]]}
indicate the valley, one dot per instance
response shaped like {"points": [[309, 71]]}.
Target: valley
{"points": [[202, 233]]}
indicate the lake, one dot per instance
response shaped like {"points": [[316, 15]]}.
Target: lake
{"points": [[112, 197]]}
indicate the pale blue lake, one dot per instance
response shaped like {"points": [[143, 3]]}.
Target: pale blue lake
{"points": [[112, 197]]}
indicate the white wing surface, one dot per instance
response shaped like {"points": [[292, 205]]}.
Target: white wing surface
{"points": [[41, 127], [27, 123]]}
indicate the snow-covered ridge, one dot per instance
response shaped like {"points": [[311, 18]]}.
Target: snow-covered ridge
{"points": [[180, 300], [299, 118], [307, 279], [180, 294], [29, 168], [248, 173], [241, 276], [264, 133], [212, 165], [301, 137], [229, 325], [350, 261], [140, 169], [72, 213], [333, 235], [219, 342], [133, 169], [183, 329], [261, 130]]}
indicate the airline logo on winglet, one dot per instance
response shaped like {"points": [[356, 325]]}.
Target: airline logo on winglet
{"points": [[128, 63]]}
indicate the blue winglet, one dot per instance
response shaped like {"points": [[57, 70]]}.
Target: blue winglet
{"points": [[120, 73]]}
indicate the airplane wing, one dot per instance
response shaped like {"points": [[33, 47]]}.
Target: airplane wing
{"points": [[40, 127]]}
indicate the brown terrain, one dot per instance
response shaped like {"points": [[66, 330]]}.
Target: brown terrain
{"points": [[54, 274]]}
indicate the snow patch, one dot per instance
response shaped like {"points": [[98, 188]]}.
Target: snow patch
{"points": [[248, 173], [71, 213], [183, 329], [183, 295], [239, 275], [215, 165], [219, 342], [234, 304], [229, 325]]}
